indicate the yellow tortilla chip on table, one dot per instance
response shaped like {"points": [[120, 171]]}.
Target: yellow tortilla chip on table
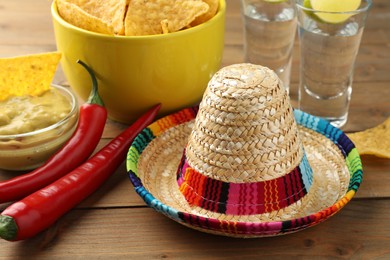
{"points": [[78, 17], [373, 141], [213, 8], [27, 75], [144, 17], [112, 12]]}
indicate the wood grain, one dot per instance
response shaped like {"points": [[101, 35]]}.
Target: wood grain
{"points": [[141, 233]]}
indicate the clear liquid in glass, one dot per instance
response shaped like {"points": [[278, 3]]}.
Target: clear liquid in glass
{"points": [[269, 36]]}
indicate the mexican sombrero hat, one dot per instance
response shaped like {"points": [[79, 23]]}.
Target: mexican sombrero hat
{"points": [[244, 163]]}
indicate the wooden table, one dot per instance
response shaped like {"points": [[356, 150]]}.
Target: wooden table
{"points": [[115, 223]]}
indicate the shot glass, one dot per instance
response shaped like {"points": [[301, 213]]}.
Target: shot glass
{"points": [[269, 33], [329, 43]]}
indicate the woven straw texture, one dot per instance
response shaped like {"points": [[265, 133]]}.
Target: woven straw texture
{"points": [[265, 125], [245, 130]]}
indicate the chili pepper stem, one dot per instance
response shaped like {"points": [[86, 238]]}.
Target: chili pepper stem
{"points": [[37, 211], [8, 228], [94, 97], [77, 150]]}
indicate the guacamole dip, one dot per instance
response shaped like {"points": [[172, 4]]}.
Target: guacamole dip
{"points": [[23, 114]]}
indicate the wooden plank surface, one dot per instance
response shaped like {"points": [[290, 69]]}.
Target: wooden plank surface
{"points": [[141, 233], [115, 223]]}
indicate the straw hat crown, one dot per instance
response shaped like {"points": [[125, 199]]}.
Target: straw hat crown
{"points": [[245, 140], [238, 164]]}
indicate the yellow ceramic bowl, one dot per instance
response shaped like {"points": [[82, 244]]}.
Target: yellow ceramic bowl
{"points": [[137, 72]]}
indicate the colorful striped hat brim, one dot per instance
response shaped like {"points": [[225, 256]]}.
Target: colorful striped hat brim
{"points": [[155, 155]]}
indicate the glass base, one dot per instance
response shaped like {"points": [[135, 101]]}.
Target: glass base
{"points": [[338, 122]]}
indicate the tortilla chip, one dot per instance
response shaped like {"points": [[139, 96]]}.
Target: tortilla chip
{"points": [[213, 8], [112, 12], [79, 18], [373, 141], [27, 75], [144, 17]]}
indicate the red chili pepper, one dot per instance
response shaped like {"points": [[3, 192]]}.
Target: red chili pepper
{"points": [[79, 147], [38, 211]]}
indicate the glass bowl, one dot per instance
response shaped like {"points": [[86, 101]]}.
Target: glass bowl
{"points": [[29, 150]]}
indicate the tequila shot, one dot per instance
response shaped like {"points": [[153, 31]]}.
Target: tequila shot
{"points": [[329, 44], [269, 33]]}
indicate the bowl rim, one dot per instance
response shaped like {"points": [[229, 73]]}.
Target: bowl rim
{"points": [[74, 110], [220, 13]]}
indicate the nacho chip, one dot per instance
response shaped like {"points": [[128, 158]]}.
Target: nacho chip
{"points": [[373, 141], [144, 17], [164, 26], [213, 8], [111, 12], [78, 17], [27, 75]]}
